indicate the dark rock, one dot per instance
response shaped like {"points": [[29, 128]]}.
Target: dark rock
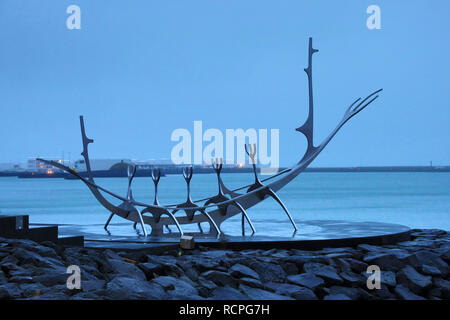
{"points": [[217, 254], [297, 292], [168, 263], [131, 288], [3, 278], [10, 259], [46, 251], [32, 290], [290, 268], [338, 296], [355, 265], [388, 278], [268, 272], [434, 293], [150, 269], [191, 273], [386, 261], [383, 293], [251, 282], [49, 279], [208, 284], [220, 278], [177, 288], [92, 285], [444, 286], [353, 279], [125, 269], [416, 282], [406, 258], [369, 248], [4, 293], [239, 271], [328, 273], [21, 279], [205, 263], [431, 270], [352, 293], [259, 294], [29, 257], [227, 293], [308, 280], [432, 259], [405, 294], [446, 256], [89, 272], [300, 260]]}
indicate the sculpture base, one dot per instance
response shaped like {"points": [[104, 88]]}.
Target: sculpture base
{"points": [[312, 235]]}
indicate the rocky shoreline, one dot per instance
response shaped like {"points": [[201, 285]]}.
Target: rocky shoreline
{"points": [[412, 270]]}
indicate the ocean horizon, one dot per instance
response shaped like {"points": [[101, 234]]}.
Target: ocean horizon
{"points": [[417, 200]]}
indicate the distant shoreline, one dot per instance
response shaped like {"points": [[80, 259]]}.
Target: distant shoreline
{"points": [[177, 170]]}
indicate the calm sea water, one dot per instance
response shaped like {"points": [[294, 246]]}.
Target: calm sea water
{"points": [[418, 200]]}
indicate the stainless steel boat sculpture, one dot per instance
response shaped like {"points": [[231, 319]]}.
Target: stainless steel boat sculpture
{"points": [[227, 203]]}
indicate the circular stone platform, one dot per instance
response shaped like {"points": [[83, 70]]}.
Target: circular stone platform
{"points": [[312, 235]]}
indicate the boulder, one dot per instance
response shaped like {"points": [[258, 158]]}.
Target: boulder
{"points": [[290, 268], [227, 293], [92, 285], [369, 248], [205, 263], [431, 270], [352, 293], [328, 273], [297, 292], [388, 278], [260, 294], [383, 293], [413, 280], [240, 271], [251, 282], [308, 280], [386, 261], [446, 256], [150, 269], [121, 268], [4, 293], [49, 280], [220, 278], [268, 272], [353, 279], [444, 286], [208, 284], [432, 259], [405, 294], [131, 288], [338, 296]]}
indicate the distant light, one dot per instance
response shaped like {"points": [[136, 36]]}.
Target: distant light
{"points": [[49, 171]]}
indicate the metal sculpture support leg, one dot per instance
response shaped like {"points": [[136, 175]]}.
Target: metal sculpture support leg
{"points": [[200, 227], [142, 223], [244, 214], [243, 224], [274, 196], [176, 223], [108, 221], [212, 222], [167, 227]]}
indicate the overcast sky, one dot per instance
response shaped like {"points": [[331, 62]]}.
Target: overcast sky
{"points": [[137, 70]]}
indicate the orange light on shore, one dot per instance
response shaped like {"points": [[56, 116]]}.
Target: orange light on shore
{"points": [[49, 171]]}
